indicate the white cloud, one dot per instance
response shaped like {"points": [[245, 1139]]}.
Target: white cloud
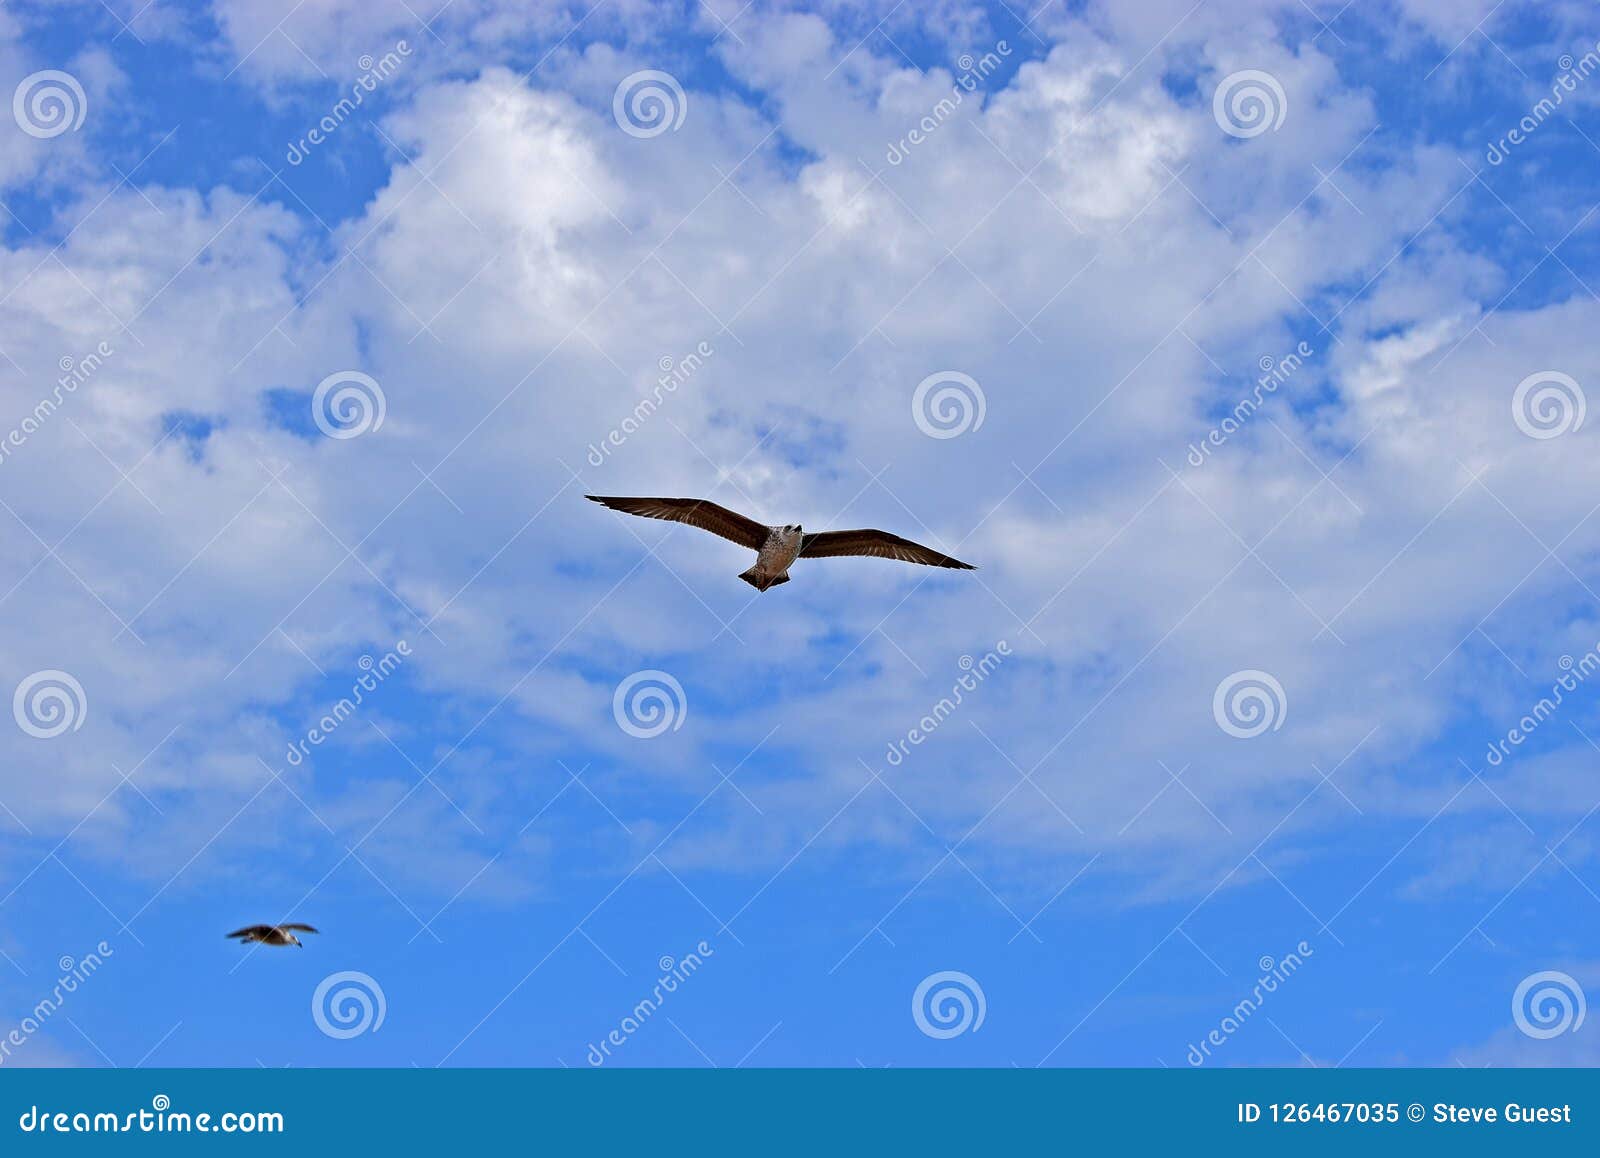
{"points": [[513, 286]]}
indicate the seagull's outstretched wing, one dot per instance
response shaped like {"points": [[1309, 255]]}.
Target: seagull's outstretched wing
{"points": [[251, 931], [880, 544], [708, 516], [300, 928]]}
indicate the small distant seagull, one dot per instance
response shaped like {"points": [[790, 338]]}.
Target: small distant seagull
{"points": [[777, 548], [271, 934]]}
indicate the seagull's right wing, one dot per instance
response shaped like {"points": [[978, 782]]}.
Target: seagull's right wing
{"points": [[299, 928], [879, 544], [706, 515], [251, 931]]}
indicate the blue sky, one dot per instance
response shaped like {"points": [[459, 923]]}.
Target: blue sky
{"points": [[1392, 542]]}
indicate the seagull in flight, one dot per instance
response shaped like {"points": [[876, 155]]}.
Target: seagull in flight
{"points": [[271, 934], [777, 548]]}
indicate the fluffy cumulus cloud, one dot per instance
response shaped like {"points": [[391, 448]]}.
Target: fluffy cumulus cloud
{"points": [[1075, 232]]}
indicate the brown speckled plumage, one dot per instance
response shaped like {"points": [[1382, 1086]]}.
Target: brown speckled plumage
{"points": [[271, 934], [777, 548]]}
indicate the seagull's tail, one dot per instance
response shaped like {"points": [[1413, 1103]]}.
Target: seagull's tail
{"points": [[760, 581]]}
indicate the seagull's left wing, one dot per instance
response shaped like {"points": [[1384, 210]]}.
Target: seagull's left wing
{"points": [[879, 544], [300, 928], [702, 513]]}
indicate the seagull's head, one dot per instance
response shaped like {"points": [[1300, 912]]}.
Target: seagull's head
{"points": [[792, 529], [295, 940]]}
